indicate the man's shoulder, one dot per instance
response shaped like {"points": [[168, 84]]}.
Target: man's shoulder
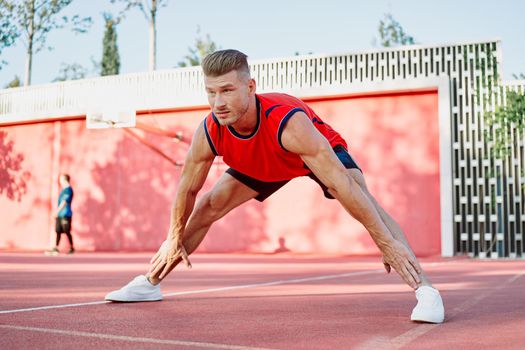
{"points": [[278, 97], [278, 105]]}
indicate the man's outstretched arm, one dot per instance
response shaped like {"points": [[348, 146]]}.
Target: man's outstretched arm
{"points": [[194, 173], [301, 137]]}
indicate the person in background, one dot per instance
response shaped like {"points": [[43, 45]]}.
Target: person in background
{"points": [[64, 215]]}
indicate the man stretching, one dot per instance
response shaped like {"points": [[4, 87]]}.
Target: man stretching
{"points": [[267, 140]]}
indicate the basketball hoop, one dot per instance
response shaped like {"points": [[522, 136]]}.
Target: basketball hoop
{"points": [[111, 119]]}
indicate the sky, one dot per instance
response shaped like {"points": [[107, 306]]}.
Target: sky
{"points": [[272, 29]]}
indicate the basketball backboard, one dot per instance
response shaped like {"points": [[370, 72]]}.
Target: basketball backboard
{"points": [[111, 119]]}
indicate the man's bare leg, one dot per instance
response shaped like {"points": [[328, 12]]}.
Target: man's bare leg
{"points": [[227, 194], [429, 307], [390, 223]]}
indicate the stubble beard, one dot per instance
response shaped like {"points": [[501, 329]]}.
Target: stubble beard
{"points": [[234, 118]]}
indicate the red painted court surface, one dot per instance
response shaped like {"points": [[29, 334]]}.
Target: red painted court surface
{"points": [[256, 302]]}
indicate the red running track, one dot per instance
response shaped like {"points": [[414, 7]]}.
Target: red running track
{"points": [[256, 302]]}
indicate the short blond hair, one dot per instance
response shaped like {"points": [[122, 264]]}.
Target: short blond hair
{"points": [[224, 61]]}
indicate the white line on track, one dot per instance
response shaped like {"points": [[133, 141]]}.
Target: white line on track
{"points": [[221, 289], [409, 336], [131, 339], [52, 307], [210, 290], [275, 283]]}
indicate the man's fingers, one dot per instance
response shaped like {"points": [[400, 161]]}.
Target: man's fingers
{"points": [[159, 253], [154, 271], [414, 268], [409, 279], [166, 270], [157, 268], [154, 258], [186, 261], [162, 264], [159, 259], [416, 265], [170, 262], [156, 262], [387, 267], [413, 273], [184, 256]]}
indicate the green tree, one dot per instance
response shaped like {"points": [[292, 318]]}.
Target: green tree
{"points": [[203, 46], [72, 71], [8, 31], [149, 8], [32, 20], [110, 64], [504, 121], [13, 83], [391, 33]]}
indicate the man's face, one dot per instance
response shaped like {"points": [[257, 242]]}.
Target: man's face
{"points": [[63, 181], [229, 96]]}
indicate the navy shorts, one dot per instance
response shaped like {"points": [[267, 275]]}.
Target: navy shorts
{"points": [[63, 225], [266, 189]]}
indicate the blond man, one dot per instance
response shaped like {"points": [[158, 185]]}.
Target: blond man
{"points": [[267, 140]]}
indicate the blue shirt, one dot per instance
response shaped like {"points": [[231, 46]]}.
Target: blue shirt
{"points": [[66, 195]]}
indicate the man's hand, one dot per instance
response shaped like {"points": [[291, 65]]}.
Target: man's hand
{"points": [[387, 266], [399, 257], [170, 252]]}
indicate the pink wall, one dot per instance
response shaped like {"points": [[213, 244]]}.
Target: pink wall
{"points": [[123, 191]]}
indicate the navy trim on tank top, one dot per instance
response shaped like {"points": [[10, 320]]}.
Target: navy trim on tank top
{"points": [[246, 137], [209, 138], [283, 124], [269, 110]]}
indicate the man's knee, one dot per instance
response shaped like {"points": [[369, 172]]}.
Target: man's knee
{"points": [[210, 206], [227, 194], [358, 177]]}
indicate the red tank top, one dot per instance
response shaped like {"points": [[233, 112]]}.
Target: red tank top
{"points": [[261, 154]]}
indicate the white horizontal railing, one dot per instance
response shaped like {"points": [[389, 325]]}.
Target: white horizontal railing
{"points": [[183, 87], [139, 91]]}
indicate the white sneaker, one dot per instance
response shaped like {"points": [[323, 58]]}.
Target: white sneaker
{"points": [[140, 289], [429, 306]]}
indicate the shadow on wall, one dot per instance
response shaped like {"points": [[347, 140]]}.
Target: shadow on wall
{"points": [[127, 205], [396, 148], [13, 181], [128, 208], [281, 248], [410, 190], [241, 230]]}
